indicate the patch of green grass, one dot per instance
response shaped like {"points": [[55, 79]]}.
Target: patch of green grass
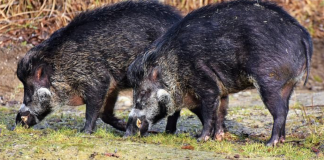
{"points": [[63, 140], [311, 29], [24, 43], [239, 119], [186, 112], [122, 115], [4, 109], [82, 108], [318, 78], [296, 105]]}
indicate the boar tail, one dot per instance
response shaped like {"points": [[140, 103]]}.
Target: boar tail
{"points": [[308, 53]]}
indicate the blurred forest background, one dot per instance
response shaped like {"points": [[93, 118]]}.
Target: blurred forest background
{"points": [[26, 23], [32, 21]]}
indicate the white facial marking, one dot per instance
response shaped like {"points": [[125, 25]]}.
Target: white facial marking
{"points": [[44, 91], [163, 95], [43, 94]]}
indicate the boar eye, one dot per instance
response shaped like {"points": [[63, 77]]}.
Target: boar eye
{"points": [[27, 99], [143, 92]]}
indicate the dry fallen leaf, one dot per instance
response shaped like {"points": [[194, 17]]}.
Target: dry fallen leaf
{"points": [[112, 155], [188, 147], [315, 150]]}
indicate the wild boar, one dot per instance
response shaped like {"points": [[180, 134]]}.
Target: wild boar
{"points": [[217, 50], [86, 61]]}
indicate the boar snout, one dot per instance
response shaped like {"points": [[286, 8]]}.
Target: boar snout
{"points": [[131, 128], [135, 125], [26, 119]]}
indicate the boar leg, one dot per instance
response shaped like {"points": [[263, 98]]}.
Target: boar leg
{"points": [[286, 92], [197, 111], [171, 126], [277, 105], [92, 113], [208, 110], [220, 118], [209, 94], [94, 101], [108, 111]]}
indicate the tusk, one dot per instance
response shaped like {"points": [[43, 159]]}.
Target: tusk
{"points": [[24, 118], [139, 123]]}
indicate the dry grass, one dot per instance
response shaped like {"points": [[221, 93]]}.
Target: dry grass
{"points": [[34, 21], [310, 13]]}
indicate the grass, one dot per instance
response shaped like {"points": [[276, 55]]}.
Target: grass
{"points": [[63, 140], [317, 78]]}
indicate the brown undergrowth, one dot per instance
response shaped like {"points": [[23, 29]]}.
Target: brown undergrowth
{"points": [[25, 21]]}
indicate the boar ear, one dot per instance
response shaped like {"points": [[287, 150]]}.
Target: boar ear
{"points": [[155, 73], [38, 73]]}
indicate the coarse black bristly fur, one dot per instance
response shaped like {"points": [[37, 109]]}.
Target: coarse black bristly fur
{"points": [[221, 49], [86, 61], [135, 73]]}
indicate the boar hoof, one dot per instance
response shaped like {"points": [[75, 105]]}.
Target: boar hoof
{"points": [[206, 138], [219, 136], [203, 139], [272, 144], [282, 139]]}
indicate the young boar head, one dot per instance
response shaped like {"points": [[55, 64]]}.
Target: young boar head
{"points": [[34, 73], [152, 102]]}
